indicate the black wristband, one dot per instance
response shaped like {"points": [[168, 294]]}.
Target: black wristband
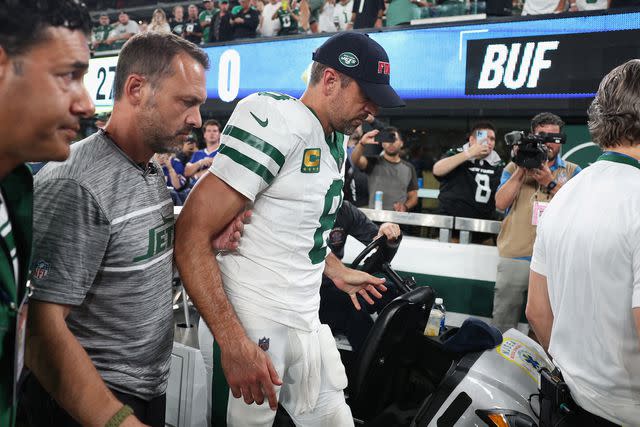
{"points": [[551, 186]]}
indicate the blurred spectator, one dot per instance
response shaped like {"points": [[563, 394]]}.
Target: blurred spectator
{"points": [[100, 34], [366, 14], [188, 148], [101, 120], [396, 178], [342, 14], [222, 29], [173, 171], [177, 21], [401, 12], [159, 22], [122, 31], [192, 28], [469, 176], [288, 16], [306, 16], [540, 7], [206, 16], [313, 26], [201, 159], [143, 25], [245, 21], [582, 5], [325, 17], [614, 4], [356, 184], [268, 26]]}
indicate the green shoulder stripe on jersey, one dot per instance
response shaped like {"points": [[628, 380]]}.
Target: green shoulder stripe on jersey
{"points": [[247, 162], [255, 142]]}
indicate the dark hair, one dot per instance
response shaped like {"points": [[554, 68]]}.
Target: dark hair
{"points": [[211, 122], [614, 114], [480, 126], [542, 119], [23, 23], [150, 54], [317, 69], [394, 130]]}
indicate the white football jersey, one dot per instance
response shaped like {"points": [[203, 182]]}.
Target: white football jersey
{"points": [[342, 14], [274, 152]]}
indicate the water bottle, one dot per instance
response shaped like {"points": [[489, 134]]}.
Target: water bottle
{"points": [[420, 182], [435, 323], [377, 201], [439, 305]]}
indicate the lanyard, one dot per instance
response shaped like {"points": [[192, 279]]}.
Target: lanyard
{"points": [[614, 156]]}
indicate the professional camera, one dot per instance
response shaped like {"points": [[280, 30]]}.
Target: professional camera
{"points": [[532, 151]]}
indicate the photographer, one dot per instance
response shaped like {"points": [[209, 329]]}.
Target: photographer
{"points": [[469, 176], [524, 193], [388, 173]]}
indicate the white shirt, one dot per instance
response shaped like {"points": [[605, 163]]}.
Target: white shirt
{"points": [[325, 19], [539, 7], [342, 14], [273, 151], [132, 27], [588, 247], [269, 26]]}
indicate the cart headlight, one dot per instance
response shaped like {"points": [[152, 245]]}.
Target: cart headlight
{"points": [[505, 418]]}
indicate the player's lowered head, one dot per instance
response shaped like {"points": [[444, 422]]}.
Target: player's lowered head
{"points": [[350, 79]]}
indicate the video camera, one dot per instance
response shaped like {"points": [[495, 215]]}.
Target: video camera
{"points": [[532, 151]]}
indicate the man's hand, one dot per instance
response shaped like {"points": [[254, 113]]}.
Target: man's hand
{"points": [[250, 373], [229, 238], [132, 421], [205, 163], [543, 175], [478, 151], [399, 207], [369, 137], [389, 229], [239, 21], [354, 282]]}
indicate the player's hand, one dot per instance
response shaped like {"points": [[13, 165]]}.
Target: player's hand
{"points": [[238, 21], [354, 282], [543, 176], [250, 373], [399, 207], [478, 151], [390, 230], [369, 137], [229, 238]]}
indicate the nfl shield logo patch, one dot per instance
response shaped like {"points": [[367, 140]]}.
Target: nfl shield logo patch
{"points": [[263, 343], [41, 269]]}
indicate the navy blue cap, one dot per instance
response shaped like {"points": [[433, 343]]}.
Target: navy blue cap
{"points": [[364, 60], [473, 335]]}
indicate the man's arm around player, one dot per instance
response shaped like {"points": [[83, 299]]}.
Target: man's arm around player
{"points": [[248, 369]]}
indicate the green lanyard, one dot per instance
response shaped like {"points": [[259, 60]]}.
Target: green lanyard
{"points": [[614, 156]]}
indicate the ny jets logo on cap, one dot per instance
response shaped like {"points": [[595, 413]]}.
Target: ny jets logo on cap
{"points": [[348, 59]]}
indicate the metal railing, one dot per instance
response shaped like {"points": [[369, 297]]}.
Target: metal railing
{"points": [[446, 224]]}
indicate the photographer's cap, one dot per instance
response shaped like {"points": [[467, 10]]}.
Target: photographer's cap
{"points": [[358, 56]]}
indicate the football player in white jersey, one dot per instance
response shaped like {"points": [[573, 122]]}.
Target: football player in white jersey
{"points": [[285, 157]]}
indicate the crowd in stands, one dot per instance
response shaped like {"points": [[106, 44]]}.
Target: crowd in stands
{"points": [[227, 20]]}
